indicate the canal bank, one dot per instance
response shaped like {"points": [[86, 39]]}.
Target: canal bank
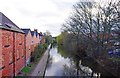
{"points": [[41, 66], [47, 62]]}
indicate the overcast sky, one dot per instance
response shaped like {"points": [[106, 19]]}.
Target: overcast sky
{"points": [[38, 14]]}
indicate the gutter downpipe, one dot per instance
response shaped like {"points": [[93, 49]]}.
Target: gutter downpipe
{"points": [[25, 49], [13, 54]]}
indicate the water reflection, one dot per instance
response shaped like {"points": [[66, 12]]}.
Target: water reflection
{"points": [[60, 66], [56, 64]]}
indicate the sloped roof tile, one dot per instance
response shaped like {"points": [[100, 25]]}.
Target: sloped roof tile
{"points": [[6, 23], [26, 31]]}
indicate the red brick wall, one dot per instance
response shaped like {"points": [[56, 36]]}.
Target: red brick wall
{"points": [[19, 52], [32, 43], [32, 47], [34, 39], [38, 39], [14, 42], [7, 52], [0, 52], [28, 45]]}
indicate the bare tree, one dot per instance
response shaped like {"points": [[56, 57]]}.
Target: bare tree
{"points": [[79, 26], [92, 32]]}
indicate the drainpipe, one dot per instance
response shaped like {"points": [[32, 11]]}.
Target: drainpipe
{"points": [[24, 51], [13, 54]]}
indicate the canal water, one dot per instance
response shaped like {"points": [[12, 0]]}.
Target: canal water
{"points": [[64, 66]]}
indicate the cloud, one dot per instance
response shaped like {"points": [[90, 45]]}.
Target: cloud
{"points": [[39, 14]]}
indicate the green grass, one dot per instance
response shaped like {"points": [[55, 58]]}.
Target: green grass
{"points": [[39, 53], [30, 67], [27, 69]]}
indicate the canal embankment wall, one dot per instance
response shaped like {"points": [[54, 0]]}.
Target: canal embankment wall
{"points": [[47, 60]]}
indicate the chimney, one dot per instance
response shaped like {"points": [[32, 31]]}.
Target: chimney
{"points": [[35, 30], [40, 32]]}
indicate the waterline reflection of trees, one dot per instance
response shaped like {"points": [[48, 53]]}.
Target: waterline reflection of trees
{"points": [[70, 70]]}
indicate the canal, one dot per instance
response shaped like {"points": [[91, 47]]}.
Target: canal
{"points": [[59, 65]]}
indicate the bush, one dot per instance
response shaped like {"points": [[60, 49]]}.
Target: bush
{"points": [[39, 50]]}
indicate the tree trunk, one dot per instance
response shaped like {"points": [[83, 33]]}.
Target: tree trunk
{"points": [[77, 64]]}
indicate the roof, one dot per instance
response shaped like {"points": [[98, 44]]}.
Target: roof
{"points": [[32, 33], [26, 31], [37, 34], [6, 23]]}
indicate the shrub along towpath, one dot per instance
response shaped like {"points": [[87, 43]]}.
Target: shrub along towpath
{"points": [[40, 68]]}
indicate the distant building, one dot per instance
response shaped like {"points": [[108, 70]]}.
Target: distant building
{"points": [[12, 51], [33, 41], [41, 38], [37, 37], [28, 42]]}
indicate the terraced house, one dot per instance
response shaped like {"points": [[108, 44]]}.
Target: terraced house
{"points": [[35, 39], [16, 46], [28, 42], [41, 38], [33, 42], [32, 39], [12, 51]]}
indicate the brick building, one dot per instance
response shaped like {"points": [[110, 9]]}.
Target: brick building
{"points": [[12, 43], [41, 38], [37, 39], [28, 42], [16, 46], [33, 41]]}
